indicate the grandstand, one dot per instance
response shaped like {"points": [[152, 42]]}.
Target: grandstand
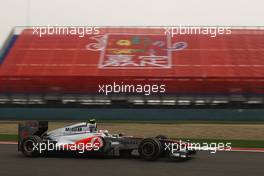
{"points": [[226, 71]]}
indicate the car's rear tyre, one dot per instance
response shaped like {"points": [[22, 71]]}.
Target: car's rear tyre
{"points": [[150, 149], [31, 146]]}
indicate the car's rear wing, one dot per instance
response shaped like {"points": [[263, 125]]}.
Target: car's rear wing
{"points": [[29, 128]]}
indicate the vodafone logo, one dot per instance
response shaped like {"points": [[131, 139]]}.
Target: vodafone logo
{"points": [[97, 142]]}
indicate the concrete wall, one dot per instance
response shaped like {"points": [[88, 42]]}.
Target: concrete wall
{"points": [[128, 12]]}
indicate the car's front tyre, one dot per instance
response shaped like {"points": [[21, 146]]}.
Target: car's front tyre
{"points": [[150, 149]]}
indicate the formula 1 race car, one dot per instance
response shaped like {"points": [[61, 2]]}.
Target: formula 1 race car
{"points": [[85, 138]]}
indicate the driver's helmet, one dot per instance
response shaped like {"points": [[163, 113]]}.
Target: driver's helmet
{"points": [[92, 125], [92, 121]]}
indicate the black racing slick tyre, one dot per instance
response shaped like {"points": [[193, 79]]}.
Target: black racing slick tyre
{"points": [[150, 149], [31, 146]]}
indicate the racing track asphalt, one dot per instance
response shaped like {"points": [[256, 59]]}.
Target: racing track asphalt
{"points": [[205, 164]]}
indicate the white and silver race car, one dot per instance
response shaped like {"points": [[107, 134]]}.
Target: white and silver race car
{"points": [[84, 138]]}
